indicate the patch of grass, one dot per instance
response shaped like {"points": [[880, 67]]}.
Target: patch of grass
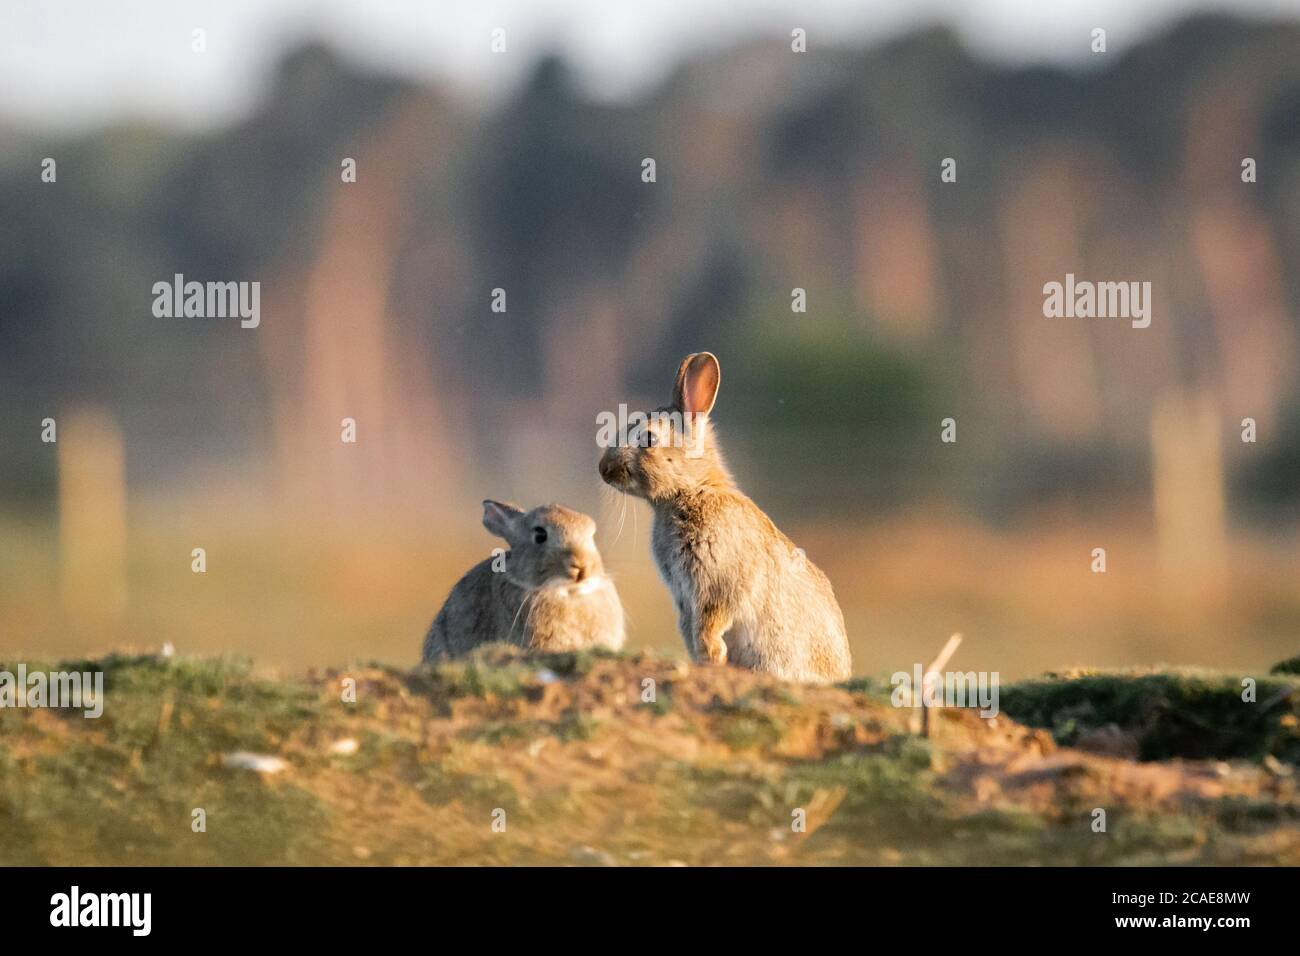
{"points": [[881, 790], [663, 702], [574, 725], [474, 679], [1139, 834], [380, 750], [1245, 814], [502, 731], [1172, 714], [500, 670], [1289, 666], [747, 731], [480, 794], [737, 794], [747, 722], [122, 789], [873, 687]]}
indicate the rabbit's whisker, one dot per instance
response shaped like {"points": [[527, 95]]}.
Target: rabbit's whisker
{"points": [[527, 597], [611, 494], [622, 516]]}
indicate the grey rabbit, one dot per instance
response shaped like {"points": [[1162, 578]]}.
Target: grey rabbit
{"points": [[744, 593], [548, 592]]}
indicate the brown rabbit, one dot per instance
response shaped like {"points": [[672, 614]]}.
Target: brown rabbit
{"points": [[549, 592], [744, 592]]}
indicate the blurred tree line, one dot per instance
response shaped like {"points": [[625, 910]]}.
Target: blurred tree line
{"points": [[774, 171]]}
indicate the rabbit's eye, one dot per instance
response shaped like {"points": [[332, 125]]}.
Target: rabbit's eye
{"points": [[539, 535], [649, 439]]}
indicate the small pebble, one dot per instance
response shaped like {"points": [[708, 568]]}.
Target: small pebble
{"points": [[590, 856], [258, 763]]}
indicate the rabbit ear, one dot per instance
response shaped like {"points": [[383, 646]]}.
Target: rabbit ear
{"points": [[697, 383], [498, 517]]}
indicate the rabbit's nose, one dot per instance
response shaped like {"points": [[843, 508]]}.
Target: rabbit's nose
{"points": [[577, 570], [611, 469]]}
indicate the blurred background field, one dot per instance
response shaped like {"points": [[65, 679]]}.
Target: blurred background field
{"points": [[775, 171], [1027, 601]]}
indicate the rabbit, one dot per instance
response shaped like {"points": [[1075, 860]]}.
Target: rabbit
{"points": [[549, 592], [744, 593]]}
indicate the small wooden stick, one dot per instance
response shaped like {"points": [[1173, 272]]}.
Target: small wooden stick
{"points": [[948, 650], [933, 671]]}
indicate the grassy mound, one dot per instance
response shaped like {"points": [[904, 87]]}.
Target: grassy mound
{"points": [[606, 759]]}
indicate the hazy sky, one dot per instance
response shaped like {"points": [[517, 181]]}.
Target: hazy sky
{"points": [[73, 63]]}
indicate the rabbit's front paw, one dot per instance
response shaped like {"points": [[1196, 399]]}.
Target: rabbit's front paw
{"points": [[710, 648], [715, 653]]}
